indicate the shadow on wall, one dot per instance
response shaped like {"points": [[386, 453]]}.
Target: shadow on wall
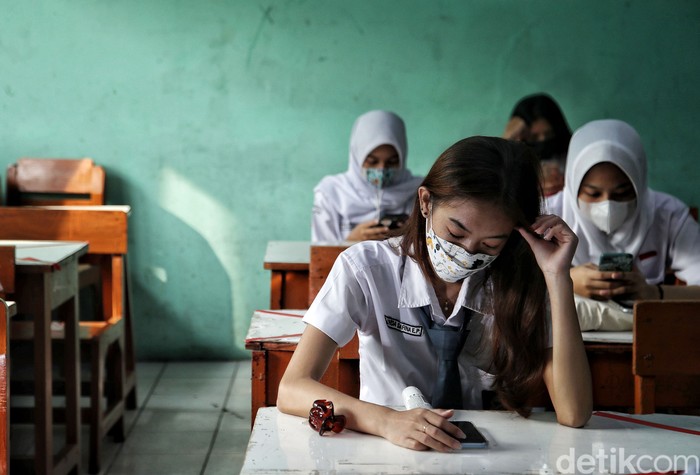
{"points": [[169, 262]]}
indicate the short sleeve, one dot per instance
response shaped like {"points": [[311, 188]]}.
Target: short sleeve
{"points": [[341, 303]]}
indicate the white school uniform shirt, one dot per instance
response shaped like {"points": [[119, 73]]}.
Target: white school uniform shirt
{"points": [[374, 290], [660, 234], [345, 200]]}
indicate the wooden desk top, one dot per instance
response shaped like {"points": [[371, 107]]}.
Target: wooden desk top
{"points": [[287, 255], [274, 326], [285, 326], [100, 208], [281, 443], [44, 255], [607, 337]]}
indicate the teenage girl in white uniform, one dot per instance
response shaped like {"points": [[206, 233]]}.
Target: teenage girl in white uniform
{"points": [[475, 256], [347, 206], [606, 201]]}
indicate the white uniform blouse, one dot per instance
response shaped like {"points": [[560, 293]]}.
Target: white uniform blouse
{"points": [[375, 291]]}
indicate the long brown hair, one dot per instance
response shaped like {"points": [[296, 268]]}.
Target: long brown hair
{"points": [[506, 174]]}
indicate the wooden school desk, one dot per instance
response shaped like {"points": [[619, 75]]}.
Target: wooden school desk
{"points": [[47, 280], [289, 282], [272, 337], [106, 230], [609, 443], [610, 360]]}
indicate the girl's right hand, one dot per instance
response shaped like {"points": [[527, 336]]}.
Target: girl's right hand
{"points": [[422, 429], [369, 230]]}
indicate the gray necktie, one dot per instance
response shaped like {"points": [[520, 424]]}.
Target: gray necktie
{"points": [[448, 343]]}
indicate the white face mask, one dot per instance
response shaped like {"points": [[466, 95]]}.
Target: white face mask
{"points": [[607, 216], [451, 262]]}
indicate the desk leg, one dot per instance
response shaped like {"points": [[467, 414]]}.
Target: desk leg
{"points": [[68, 313], [43, 424], [258, 383], [277, 290]]}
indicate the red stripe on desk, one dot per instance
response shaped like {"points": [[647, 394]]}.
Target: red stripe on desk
{"points": [[272, 312], [274, 337], [645, 423]]}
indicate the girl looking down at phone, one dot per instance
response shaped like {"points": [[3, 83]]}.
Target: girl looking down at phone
{"points": [[607, 203], [474, 295], [349, 206]]}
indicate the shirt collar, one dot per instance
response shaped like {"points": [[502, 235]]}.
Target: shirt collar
{"points": [[415, 291]]}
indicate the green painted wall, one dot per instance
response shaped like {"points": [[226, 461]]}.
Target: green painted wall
{"points": [[215, 119]]}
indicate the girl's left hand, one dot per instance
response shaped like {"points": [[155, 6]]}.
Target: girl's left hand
{"points": [[552, 242]]}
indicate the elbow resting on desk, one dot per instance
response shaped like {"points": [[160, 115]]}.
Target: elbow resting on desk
{"points": [[575, 419]]}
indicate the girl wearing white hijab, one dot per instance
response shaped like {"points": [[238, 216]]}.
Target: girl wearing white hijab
{"points": [[607, 203], [348, 206]]}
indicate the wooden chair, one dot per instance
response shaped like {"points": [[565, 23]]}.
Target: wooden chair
{"points": [[55, 182], [321, 260], [666, 335]]}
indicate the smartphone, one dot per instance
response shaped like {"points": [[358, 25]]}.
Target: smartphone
{"points": [[474, 439], [615, 261], [393, 221]]}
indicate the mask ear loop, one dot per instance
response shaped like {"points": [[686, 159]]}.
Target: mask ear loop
{"points": [[378, 203]]}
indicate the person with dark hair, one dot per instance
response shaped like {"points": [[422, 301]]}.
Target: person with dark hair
{"points": [[538, 121], [473, 294], [352, 206]]}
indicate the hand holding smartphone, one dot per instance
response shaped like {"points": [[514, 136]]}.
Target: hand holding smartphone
{"points": [[474, 439], [615, 261]]}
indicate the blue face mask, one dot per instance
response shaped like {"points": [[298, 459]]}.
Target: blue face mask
{"points": [[379, 177]]}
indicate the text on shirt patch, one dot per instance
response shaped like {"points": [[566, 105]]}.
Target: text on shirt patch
{"points": [[395, 324]]}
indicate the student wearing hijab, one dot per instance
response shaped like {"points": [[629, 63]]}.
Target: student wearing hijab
{"points": [[348, 206], [608, 204], [538, 121], [476, 285]]}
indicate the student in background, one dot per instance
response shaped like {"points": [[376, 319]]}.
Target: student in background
{"points": [[538, 121], [348, 206], [475, 294], [608, 204]]}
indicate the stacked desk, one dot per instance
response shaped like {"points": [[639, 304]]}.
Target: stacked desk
{"points": [[609, 443]]}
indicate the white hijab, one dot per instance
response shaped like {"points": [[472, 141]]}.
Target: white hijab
{"points": [[616, 142], [352, 196]]}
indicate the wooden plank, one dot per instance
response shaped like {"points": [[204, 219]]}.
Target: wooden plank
{"points": [[105, 230]]}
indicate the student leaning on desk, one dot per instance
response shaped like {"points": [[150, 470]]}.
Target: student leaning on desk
{"points": [[475, 294], [350, 206], [608, 204]]}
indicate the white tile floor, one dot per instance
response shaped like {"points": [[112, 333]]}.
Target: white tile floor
{"points": [[193, 418]]}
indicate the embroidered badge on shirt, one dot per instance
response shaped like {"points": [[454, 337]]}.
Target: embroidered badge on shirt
{"points": [[395, 324]]}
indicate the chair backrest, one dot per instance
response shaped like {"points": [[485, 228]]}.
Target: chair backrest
{"points": [[321, 260], [666, 335], [7, 270], [55, 181]]}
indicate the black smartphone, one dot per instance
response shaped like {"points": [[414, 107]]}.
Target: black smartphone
{"points": [[615, 261], [393, 221], [474, 439]]}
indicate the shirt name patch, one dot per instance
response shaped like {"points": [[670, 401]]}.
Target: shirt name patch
{"points": [[403, 327]]}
